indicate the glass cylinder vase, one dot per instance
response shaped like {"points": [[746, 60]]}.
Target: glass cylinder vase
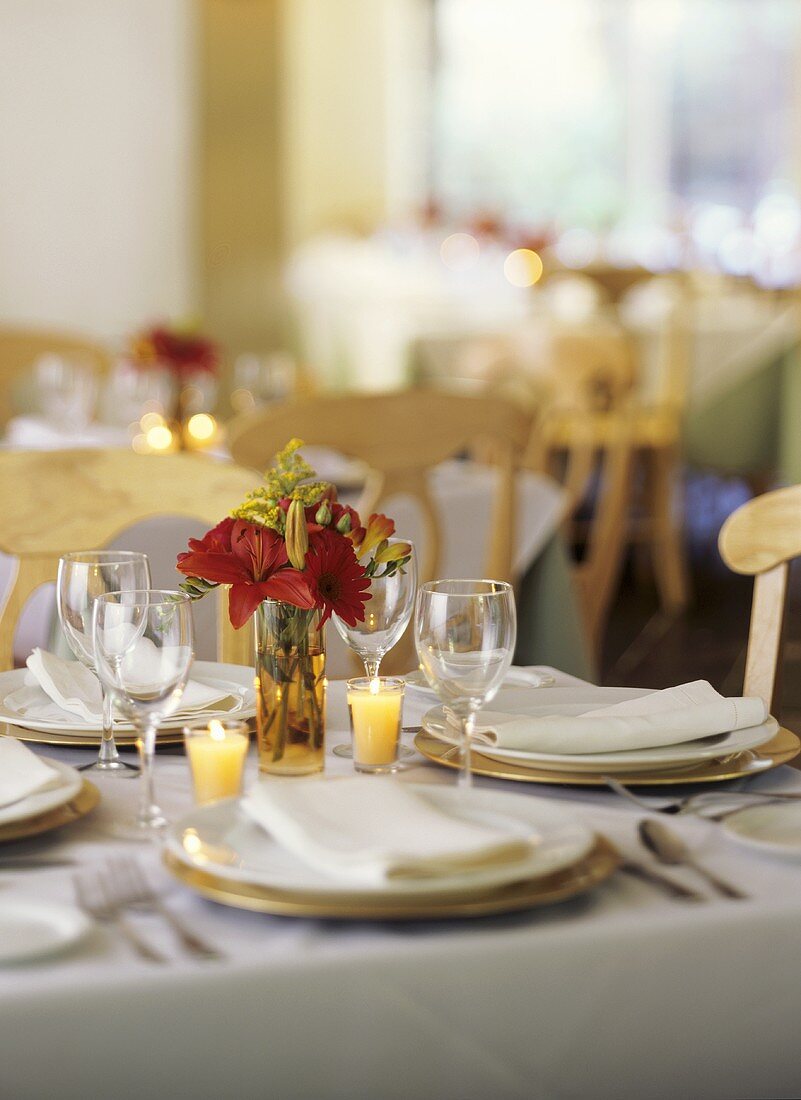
{"points": [[290, 689]]}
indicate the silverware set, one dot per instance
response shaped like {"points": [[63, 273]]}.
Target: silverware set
{"points": [[671, 850], [109, 895]]}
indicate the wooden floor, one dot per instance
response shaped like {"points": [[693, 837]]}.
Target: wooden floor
{"points": [[643, 649]]}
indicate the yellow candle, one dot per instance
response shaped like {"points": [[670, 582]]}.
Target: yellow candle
{"points": [[375, 717], [216, 757]]}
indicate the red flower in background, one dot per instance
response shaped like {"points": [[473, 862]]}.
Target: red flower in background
{"points": [[183, 352], [337, 582], [253, 561]]}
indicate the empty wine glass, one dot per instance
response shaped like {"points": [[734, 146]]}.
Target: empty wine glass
{"points": [[386, 616], [82, 577], [465, 634], [67, 389], [143, 648]]}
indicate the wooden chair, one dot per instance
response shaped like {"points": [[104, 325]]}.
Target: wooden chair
{"points": [[56, 502], [400, 437], [583, 438], [759, 540], [21, 347]]}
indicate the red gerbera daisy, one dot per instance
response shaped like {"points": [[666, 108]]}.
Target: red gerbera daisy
{"points": [[336, 580]]}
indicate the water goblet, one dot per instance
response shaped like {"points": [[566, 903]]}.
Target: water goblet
{"points": [[82, 577], [143, 646], [465, 634], [386, 616]]}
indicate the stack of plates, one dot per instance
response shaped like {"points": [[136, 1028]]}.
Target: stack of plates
{"points": [[224, 855], [724, 756], [73, 798], [236, 681]]}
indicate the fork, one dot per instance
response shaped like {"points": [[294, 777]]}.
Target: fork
{"points": [[95, 897], [693, 802], [134, 891]]}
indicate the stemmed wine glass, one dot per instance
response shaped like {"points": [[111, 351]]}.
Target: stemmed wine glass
{"points": [[143, 647], [82, 577], [386, 616], [465, 634]]}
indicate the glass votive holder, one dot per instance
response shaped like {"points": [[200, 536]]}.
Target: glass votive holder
{"points": [[216, 752], [375, 707]]}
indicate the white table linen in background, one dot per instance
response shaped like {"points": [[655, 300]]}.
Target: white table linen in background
{"points": [[620, 994]]}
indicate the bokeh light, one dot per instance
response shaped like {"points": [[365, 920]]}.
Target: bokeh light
{"points": [[159, 437], [460, 251], [523, 267], [201, 427]]}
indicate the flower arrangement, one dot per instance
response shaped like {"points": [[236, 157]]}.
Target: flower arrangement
{"points": [[180, 349], [291, 540]]}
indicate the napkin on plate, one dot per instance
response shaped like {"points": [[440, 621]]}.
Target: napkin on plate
{"points": [[22, 772], [670, 717], [67, 686], [373, 831]]}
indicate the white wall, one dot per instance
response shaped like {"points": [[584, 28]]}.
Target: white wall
{"points": [[96, 163]]}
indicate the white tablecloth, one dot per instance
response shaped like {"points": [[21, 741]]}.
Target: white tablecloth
{"points": [[618, 994]]}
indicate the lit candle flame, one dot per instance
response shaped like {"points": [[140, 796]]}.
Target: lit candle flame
{"points": [[375, 686], [217, 730]]}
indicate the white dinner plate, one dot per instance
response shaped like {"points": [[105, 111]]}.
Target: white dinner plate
{"points": [[236, 680], [222, 840], [41, 802], [515, 677], [665, 758], [32, 929], [774, 827]]}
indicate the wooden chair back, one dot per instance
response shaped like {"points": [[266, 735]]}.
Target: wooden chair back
{"points": [[759, 540], [56, 502], [21, 347], [400, 437]]}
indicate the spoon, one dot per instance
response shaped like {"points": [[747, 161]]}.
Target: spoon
{"points": [[671, 850]]}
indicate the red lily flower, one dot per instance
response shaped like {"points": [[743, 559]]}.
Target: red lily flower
{"points": [[253, 560], [337, 581]]}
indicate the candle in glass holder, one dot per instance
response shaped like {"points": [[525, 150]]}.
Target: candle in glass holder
{"points": [[216, 754], [375, 721]]}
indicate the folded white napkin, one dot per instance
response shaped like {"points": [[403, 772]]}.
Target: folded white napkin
{"points": [[22, 772], [60, 688], [374, 830], [684, 713]]}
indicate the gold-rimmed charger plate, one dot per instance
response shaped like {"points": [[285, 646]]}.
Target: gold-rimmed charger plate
{"points": [[781, 749], [83, 740], [82, 804], [598, 864]]}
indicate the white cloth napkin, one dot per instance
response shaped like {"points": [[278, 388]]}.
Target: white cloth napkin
{"points": [[61, 688], [22, 772], [670, 717], [372, 831]]}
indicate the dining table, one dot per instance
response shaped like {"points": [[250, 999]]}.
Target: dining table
{"points": [[620, 992]]}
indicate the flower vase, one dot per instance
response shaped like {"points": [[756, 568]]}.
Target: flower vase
{"points": [[290, 689]]}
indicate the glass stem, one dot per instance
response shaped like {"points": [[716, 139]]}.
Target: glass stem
{"points": [[108, 750], [465, 774], [150, 816], [371, 667]]}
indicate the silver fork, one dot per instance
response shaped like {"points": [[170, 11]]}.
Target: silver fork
{"points": [[94, 896], [134, 891], [693, 802]]}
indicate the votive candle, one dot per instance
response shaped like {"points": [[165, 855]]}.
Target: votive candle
{"points": [[375, 707], [216, 754]]}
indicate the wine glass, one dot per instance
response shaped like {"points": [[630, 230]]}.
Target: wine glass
{"points": [[143, 648], [465, 634], [82, 577], [67, 389], [386, 616]]}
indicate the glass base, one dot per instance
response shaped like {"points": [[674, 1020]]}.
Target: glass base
{"points": [[111, 767], [346, 752], [133, 829], [377, 769]]}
